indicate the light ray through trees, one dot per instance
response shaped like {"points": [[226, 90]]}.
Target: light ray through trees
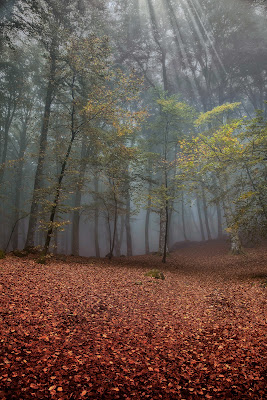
{"points": [[164, 18], [207, 31]]}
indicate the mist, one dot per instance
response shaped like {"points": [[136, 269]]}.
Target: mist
{"points": [[133, 199], [130, 126]]}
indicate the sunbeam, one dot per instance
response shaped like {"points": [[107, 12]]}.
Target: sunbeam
{"points": [[176, 29], [208, 34]]}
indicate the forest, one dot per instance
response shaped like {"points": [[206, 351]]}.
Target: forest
{"points": [[128, 126], [133, 199]]}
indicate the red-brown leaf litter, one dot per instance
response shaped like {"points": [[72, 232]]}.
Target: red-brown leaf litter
{"points": [[86, 328]]}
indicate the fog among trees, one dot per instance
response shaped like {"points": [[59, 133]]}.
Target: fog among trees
{"points": [[127, 126]]}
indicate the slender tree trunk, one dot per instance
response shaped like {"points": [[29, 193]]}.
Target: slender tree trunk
{"points": [[219, 220], [76, 224], [122, 228], [42, 149], [148, 211], [163, 232], [183, 218], [166, 204], [61, 176], [8, 122], [128, 225], [117, 244], [109, 235], [218, 210], [119, 236], [162, 225], [236, 247], [96, 217], [195, 225], [18, 189], [261, 196], [200, 219], [77, 203], [114, 224], [159, 42], [56, 199], [166, 234], [170, 219], [56, 241], [205, 209]]}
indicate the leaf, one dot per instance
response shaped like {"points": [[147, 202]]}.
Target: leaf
{"points": [[34, 386]]}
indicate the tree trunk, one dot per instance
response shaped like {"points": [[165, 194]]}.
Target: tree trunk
{"points": [[218, 210], [165, 248], [76, 224], [56, 199], [113, 238], [162, 225], [42, 148], [148, 210], [8, 122], [205, 209], [77, 203], [122, 227], [56, 241], [219, 220], [128, 225], [200, 219], [117, 245], [96, 219], [18, 189], [61, 176], [236, 247], [183, 217]]}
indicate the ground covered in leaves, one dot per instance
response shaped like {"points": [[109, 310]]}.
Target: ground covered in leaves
{"points": [[80, 328]]}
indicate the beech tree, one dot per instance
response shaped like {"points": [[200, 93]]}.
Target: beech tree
{"points": [[173, 120], [111, 92], [225, 151]]}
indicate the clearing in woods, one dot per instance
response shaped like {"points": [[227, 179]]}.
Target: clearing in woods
{"points": [[80, 328]]}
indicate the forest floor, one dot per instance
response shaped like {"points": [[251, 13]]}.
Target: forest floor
{"points": [[86, 328]]}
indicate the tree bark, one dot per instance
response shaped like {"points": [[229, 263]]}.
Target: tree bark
{"points": [[128, 225], [76, 224], [218, 210], [113, 238], [205, 209], [8, 122], [200, 219], [18, 191], [165, 248], [236, 247], [77, 203], [183, 218], [117, 245], [148, 211], [61, 176], [42, 148], [219, 220], [162, 225], [96, 219]]}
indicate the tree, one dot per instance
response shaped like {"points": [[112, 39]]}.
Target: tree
{"points": [[225, 152], [111, 92], [172, 122]]}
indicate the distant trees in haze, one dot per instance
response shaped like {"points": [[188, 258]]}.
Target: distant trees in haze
{"points": [[79, 143]]}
